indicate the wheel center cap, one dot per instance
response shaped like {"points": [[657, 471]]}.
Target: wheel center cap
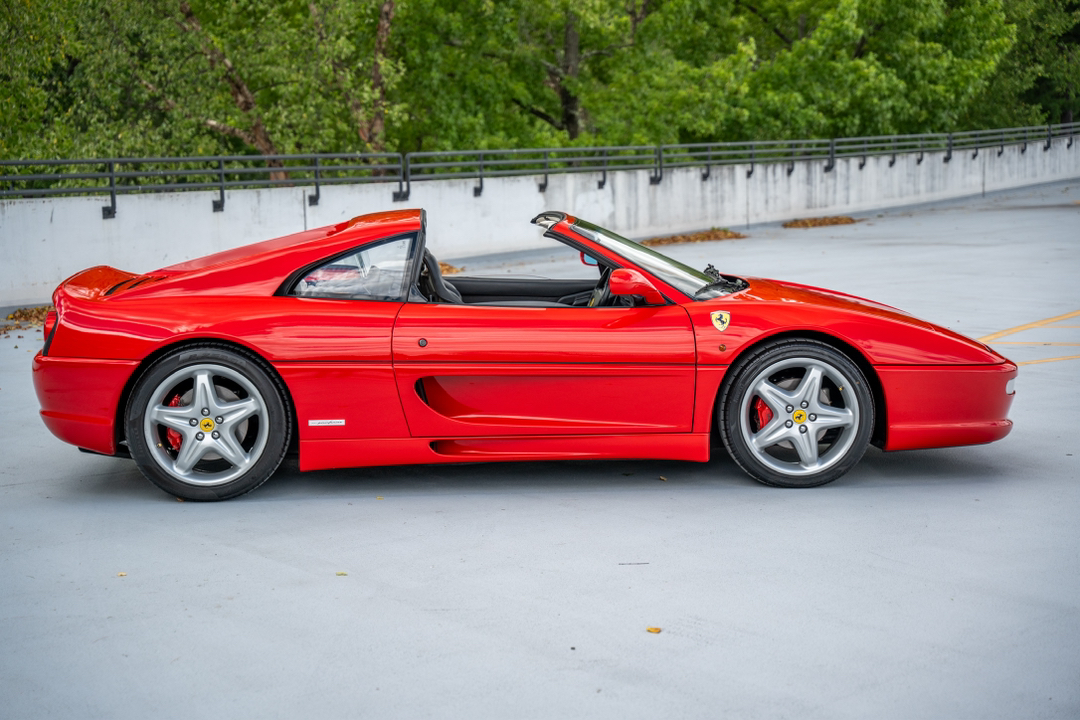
{"points": [[799, 416], [207, 424]]}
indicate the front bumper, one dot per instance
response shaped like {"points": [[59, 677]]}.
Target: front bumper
{"points": [[932, 406]]}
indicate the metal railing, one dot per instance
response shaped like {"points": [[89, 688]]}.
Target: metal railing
{"points": [[121, 176], [117, 176]]}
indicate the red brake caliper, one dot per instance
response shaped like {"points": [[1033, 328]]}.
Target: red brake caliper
{"points": [[175, 438], [764, 414]]}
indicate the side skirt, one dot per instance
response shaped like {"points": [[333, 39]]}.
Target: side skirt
{"points": [[326, 454]]}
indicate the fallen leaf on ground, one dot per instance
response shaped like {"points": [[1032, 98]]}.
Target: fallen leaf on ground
{"points": [[32, 316], [342, 574], [663, 479], [821, 222], [706, 236], [121, 574], [448, 269], [378, 497], [653, 630]]}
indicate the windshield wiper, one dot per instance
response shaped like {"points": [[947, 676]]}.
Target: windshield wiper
{"points": [[725, 285]]}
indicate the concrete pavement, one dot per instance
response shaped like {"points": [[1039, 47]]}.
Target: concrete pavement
{"points": [[928, 584]]}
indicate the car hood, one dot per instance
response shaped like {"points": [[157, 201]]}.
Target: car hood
{"points": [[884, 334]]}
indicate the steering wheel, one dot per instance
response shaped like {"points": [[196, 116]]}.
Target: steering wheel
{"points": [[601, 294]]}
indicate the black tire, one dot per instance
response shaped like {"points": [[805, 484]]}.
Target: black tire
{"points": [[796, 413], [208, 422]]}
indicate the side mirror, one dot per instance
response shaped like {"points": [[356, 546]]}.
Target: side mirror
{"points": [[624, 281], [589, 260]]}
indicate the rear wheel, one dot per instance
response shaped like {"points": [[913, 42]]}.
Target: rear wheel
{"points": [[797, 413], [207, 423]]}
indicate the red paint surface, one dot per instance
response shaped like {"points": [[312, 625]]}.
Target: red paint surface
{"points": [[500, 383], [364, 396], [534, 399], [475, 333], [327, 454], [79, 399], [930, 407]]}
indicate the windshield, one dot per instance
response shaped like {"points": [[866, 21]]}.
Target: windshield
{"points": [[687, 280]]}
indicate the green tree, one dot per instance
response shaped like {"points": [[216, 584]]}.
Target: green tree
{"points": [[1037, 81], [35, 39], [811, 69], [197, 77]]}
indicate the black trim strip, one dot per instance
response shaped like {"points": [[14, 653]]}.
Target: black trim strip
{"points": [[117, 286], [52, 334]]}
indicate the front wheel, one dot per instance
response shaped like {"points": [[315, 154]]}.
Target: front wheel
{"points": [[207, 423], [797, 413]]}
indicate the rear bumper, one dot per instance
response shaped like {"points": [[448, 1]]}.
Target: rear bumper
{"points": [[939, 406], [79, 398]]}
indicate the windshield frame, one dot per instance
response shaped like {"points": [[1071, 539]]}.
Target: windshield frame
{"points": [[683, 278]]}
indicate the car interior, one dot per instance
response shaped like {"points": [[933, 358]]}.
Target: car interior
{"points": [[518, 291], [378, 272]]}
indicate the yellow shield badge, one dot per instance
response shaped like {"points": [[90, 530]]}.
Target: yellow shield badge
{"points": [[720, 320]]}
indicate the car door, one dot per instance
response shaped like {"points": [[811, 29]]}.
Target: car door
{"points": [[481, 370]]}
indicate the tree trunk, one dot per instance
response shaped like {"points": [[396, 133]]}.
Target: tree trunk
{"points": [[378, 83], [257, 136], [571, 66]]}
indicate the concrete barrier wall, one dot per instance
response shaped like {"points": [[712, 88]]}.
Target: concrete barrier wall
{"points": [[43, 241]]}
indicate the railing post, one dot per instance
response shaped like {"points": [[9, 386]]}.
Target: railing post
{"points": [[862, 162], [892, 160], [603, 173], [832, 156], [314, 199], [219, 204], [708, 165], [543, 185], [1023, 149], [948, 153], [658, 175], [1049, 138], [791, 160], [1002, 148], [404, 183], [479, 189], [753, 156], [108, 212]]}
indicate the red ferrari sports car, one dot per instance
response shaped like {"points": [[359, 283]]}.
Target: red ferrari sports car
{"points": [[346, 345]]}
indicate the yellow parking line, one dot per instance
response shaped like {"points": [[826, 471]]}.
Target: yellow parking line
{"points": [[1046, 360], [1029, 326]]}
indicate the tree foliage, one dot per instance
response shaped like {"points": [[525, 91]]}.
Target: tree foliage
{"points": [[86, 78]]}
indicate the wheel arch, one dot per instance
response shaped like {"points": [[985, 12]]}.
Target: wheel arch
{"points": [[878, 436], [119, 421]]}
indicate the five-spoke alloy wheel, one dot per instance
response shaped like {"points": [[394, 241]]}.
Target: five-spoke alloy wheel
{"points": [[207, 423], [797, 413]]}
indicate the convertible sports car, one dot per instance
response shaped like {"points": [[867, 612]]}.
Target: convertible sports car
{"points": [[346, 345]]}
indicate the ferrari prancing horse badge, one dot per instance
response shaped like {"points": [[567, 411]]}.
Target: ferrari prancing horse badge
{"points": [[720, 319]]}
